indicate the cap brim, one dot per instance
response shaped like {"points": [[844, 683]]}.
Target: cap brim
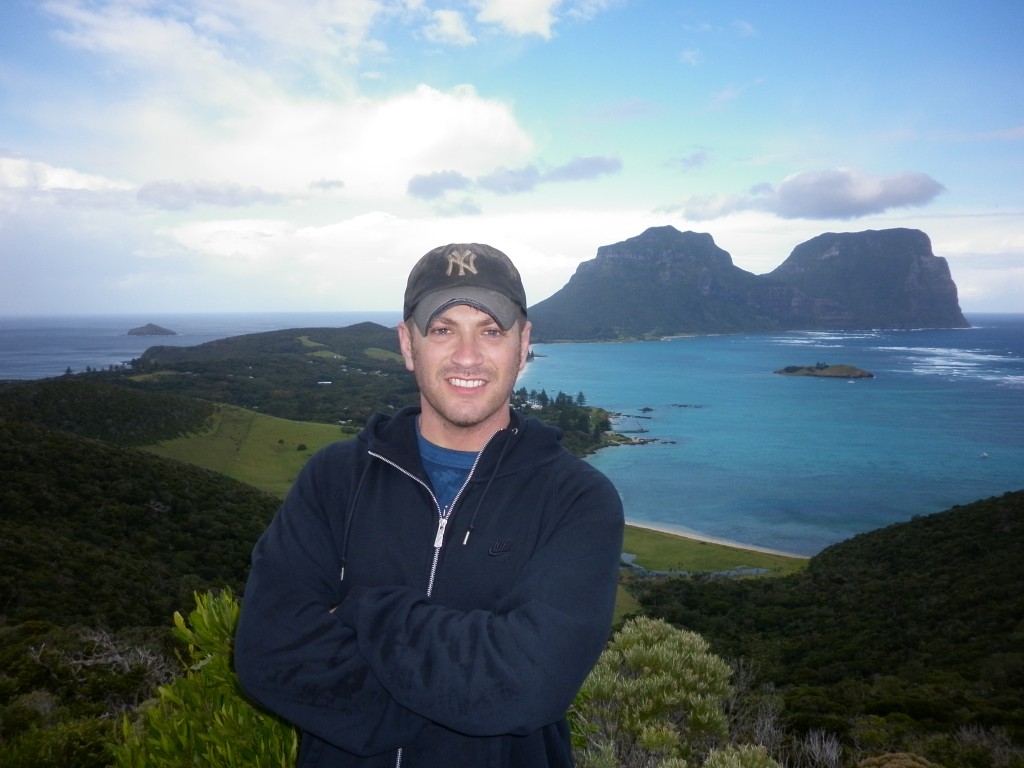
{"points": [[504, 311]]}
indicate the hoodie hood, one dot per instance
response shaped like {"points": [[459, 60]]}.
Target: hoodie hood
{"points": [[525, 442]]}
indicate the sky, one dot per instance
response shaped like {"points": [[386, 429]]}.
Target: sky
{"points": [[270, 156]]}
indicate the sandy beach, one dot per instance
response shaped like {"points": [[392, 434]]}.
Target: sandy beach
{"points": [[711, 540]]}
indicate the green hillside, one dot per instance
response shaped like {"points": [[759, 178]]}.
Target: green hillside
{"points": [[264, 452], [95, 534], [330, 375], [101, 409], [902, 635]]}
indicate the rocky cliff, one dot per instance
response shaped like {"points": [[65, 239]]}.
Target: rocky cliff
{"points": [[876, 279], [665, 282]]}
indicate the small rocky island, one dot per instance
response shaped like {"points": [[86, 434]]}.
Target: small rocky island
{"points": [[149, 329], [827, 371]]}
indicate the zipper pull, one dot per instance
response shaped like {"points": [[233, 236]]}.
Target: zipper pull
{"points": [[439, 538]]}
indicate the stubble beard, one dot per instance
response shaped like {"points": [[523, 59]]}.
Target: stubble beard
{"points": [[451, 411]]}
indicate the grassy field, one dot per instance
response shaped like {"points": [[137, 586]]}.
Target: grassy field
{"points": [[259, 450], [657, 551]]}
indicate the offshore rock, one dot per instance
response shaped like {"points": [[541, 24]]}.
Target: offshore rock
{"points": [[149, 329]]}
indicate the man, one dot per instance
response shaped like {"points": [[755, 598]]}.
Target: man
{"points": [[433, 593]]}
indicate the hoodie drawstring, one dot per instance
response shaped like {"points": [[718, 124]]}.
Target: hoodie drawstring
{"points": [[348, 520], [497, 465]]}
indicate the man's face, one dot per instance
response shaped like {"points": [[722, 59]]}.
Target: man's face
{"points": [[466, 367]]}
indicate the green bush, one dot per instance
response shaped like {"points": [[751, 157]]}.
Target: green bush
{"points": [[69, 744], [203, 718], [746, 756], [655, 698]]}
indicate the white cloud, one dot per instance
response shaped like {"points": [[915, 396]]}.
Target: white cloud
{"points": [[448, 27], [744, 28], [24, 174], [175, 33], [521, 17], [690, 56], [178, 196], [690, 162], [511, 181], [430, 186], [840, 193]]}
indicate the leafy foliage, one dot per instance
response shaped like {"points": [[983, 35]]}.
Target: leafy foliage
{"points": [[203, 718], [746, 756], [655, 694], [62, 687]]}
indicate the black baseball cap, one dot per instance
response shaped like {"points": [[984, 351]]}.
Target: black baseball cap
{"points": [[464, 273]]}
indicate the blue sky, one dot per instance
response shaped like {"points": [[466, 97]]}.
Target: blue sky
{"points": [[262, 155]]}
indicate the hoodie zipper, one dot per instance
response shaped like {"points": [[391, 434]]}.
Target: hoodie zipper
{"points": [[443, 515], [442, 523]]}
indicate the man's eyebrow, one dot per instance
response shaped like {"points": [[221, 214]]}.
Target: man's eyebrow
{"points": [[483, 322]]}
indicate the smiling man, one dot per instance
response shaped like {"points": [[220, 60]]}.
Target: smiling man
{"points": [[435, 592]]}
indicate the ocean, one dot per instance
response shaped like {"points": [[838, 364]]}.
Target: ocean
{"points": [[736, 452], [798, 463], [40, 347]]}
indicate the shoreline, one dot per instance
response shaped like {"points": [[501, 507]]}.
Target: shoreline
{"points": [[667, 529]]}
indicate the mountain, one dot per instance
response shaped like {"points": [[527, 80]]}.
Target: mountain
{"points": [[876, 279], [665, 282]]}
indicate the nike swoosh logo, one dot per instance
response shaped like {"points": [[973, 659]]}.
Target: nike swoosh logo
{"points": [[500, 547]]}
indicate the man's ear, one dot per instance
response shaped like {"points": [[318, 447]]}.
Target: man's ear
{"points": [[405, 343], [524, 343]]}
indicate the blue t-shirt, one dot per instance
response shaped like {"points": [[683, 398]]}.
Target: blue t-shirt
{"points": [[447, 470]]}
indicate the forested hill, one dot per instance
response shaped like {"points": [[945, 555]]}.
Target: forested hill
{"points": [[304, 374], [110, 537], [361, 344], [103, 409], [914, 628]]}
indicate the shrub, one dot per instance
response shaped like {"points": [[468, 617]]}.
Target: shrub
{"points": [[203, 718], [655, 697], [746, 756]]}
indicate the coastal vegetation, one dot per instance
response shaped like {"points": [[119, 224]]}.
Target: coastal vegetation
{"points": [[908, 637], [126, 496]]}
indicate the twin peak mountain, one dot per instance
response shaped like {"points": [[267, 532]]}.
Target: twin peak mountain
{"points": [[668, 283]]}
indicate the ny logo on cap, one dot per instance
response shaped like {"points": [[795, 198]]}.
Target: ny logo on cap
{"points": [[463, 260]]}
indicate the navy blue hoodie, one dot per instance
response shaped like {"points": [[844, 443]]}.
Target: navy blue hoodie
{"points": [[390, 640]]}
